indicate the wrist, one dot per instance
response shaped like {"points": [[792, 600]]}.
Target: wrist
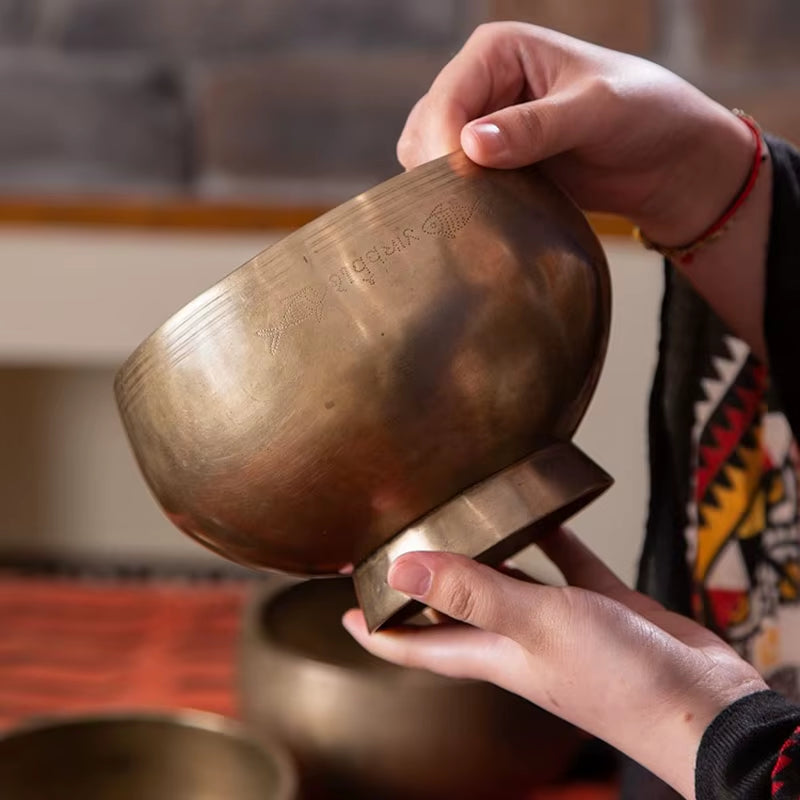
{"points": [[702, 185], [679, 729]]}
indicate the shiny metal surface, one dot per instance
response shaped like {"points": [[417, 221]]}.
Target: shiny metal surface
{"points": [[502, 514], [360, 728], [159, 756], [372, 366]]}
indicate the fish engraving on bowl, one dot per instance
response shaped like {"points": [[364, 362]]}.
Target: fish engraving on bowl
{"points": [[300, 307], [449, 217]]}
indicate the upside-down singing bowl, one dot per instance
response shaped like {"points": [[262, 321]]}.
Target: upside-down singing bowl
{"points": [[363, 729], [405, 372], [143, 756]]}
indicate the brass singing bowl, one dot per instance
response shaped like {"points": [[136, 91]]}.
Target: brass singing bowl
{"points": [[403, 373], [157, 756], [360, 728]]}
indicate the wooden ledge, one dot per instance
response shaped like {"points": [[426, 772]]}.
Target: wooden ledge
{"points": [[179, 214]]}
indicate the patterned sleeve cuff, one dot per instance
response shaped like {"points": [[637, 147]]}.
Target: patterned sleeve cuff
{"points": [[786, 774], [739, 750]]}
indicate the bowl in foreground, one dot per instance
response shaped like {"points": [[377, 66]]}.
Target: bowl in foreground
{"points": [[159, 756]]}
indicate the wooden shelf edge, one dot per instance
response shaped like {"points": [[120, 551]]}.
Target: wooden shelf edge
{"points": [[611, 225], [155, 213], [191, 215]]}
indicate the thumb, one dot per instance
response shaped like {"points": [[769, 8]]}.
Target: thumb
{"points": [[523, 134], [481, 596]]}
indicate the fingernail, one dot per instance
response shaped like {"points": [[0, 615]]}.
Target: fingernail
{"points": [[410, 577], [489, 137]]}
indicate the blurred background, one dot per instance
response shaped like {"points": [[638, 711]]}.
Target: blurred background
{"points": [[147, 148]]}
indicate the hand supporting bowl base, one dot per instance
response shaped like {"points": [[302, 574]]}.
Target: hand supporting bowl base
{"points": [[489, 522]]}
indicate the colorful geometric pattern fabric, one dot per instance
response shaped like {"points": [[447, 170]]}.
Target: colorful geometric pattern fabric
{"points": [[786, 775], [743, 542]]}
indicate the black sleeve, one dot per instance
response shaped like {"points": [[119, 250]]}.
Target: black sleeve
{"points": [[752, 749], [782, 301]]}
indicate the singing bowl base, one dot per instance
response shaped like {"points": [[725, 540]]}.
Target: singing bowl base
{"points": [[489, 522]]}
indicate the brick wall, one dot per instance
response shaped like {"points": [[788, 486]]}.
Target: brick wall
{"points": [[302, 100]]}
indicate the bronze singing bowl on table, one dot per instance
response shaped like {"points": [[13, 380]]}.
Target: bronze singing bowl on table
{"points": [[360, 728], [403, 373], [143, 756]]}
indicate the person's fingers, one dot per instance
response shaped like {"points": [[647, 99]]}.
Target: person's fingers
{"points": [[470, 592], [550, 621], [498, 99], [527, 638], [485, 75], [582, 568], [526, 133], [452, 649], [579, 565], [464, 590], [427, 136]]}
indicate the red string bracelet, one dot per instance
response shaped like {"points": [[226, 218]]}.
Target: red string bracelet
{"points": [[685, 254]]}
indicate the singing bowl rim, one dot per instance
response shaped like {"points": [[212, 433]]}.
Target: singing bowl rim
{"points": [[140, 361], [287, 780]]}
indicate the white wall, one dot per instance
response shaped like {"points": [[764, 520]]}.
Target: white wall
{"points": [[72, 306], [614, 431]]}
